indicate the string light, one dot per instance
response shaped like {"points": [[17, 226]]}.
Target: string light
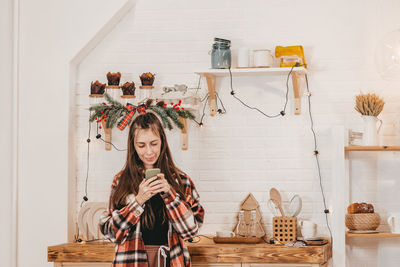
{"points": [[220, 111], [281, 113], [204, 107], [85, 198], [316, 153]]}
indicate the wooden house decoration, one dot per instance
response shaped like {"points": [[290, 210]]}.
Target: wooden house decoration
{"points": [[249, 204]]}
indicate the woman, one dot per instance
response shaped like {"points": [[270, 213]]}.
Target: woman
{"points": [[150, 218]]}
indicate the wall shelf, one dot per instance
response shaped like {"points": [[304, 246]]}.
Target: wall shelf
{"points": [[372, 148], [250, 71], [375, 235], [211, 75], [341, 186]]}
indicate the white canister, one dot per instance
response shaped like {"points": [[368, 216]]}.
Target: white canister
{"points": [[262, 58], [394, 223], [243, 57]]}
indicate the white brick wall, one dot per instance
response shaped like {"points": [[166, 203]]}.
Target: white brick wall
{"points": [[242, 151]]}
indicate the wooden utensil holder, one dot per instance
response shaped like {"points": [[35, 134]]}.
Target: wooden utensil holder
{"points": [[284, 229]]}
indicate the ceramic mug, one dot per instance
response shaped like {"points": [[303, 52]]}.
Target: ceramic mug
{"points": [[394, 223], [225, 234], [262, 58], [308, 229]]}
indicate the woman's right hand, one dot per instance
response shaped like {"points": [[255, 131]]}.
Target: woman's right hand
{"points": [[145, 192]]}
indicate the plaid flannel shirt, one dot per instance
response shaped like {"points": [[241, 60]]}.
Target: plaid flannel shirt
{"points": [[123, 227]]}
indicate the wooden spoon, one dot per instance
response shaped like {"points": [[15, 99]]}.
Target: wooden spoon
{"points": [[275, 196]]}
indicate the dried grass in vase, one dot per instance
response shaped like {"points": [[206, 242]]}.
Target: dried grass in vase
{"points": [[369, 104]]}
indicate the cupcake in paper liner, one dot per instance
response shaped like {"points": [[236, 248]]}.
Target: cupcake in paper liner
{"points": [[147, 78], [113, 78], [97, 88], [128, 88]]}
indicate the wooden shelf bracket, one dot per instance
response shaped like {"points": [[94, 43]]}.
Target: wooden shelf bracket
{"points": [[107, 133], [296, 92], [184, 139], [212, 99]]}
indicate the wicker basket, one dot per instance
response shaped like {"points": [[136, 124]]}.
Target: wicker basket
{"points": [[363, 221]]}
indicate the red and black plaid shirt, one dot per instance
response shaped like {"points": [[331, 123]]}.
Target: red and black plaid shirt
{"points": [[122, 227]]}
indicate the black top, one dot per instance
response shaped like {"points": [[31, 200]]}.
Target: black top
{"points": [[159, 234]]}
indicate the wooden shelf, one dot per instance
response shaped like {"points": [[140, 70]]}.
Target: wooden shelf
{"points": [[211, 75], [376, 235], [372, 148], [252, 71]]}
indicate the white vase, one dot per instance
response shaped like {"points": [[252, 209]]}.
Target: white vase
{"points": [[370, 135]]}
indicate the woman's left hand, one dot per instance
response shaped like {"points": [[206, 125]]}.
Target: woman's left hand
{"points": [[160, 185]]}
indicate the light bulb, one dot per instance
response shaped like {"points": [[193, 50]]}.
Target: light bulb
{"points": [[387, 56]]}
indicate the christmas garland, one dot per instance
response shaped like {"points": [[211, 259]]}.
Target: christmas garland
{"points": [[116, 113]]}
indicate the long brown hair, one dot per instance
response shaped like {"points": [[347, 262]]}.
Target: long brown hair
{"points": [[132, 173]]}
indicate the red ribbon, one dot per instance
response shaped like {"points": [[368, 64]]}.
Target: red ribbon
{"points": [[128, 116]]}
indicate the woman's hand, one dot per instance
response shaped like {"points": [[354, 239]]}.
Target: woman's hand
{"points": [[160, 185], [145, 190], [149, 187]]}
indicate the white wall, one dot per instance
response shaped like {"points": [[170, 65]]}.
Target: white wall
{"points": [[172, 38], [51, 34], [6, 133], [243, 152]]}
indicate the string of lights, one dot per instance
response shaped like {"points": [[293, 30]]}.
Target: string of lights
{"points": [[316, 154], [85, 198], [282, 113]]}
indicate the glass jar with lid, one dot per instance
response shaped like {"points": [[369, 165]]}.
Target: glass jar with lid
{"points": [[221, 54]]}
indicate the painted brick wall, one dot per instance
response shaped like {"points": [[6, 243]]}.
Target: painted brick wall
{"points": [[242, 151]]}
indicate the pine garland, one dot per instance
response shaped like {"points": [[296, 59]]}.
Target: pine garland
{"points": [[174, 117], [114, 113], [163, 115], [186, 114], [112, 101]]}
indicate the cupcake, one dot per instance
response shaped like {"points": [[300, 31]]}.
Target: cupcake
{"points": [[128, 88], [97, 88], [147, 79], [113, 78]]}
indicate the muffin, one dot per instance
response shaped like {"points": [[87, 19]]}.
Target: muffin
{"points": [[113, 78], [128, 88], [97, 88], [147, 78]]}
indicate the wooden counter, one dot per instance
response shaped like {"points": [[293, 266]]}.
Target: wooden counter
{"points": [[204, 251]]}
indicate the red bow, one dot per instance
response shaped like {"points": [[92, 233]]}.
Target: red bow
{"points": [[128, 116]]}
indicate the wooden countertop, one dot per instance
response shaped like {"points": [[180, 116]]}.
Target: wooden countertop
{"points": [[203, 251]]}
